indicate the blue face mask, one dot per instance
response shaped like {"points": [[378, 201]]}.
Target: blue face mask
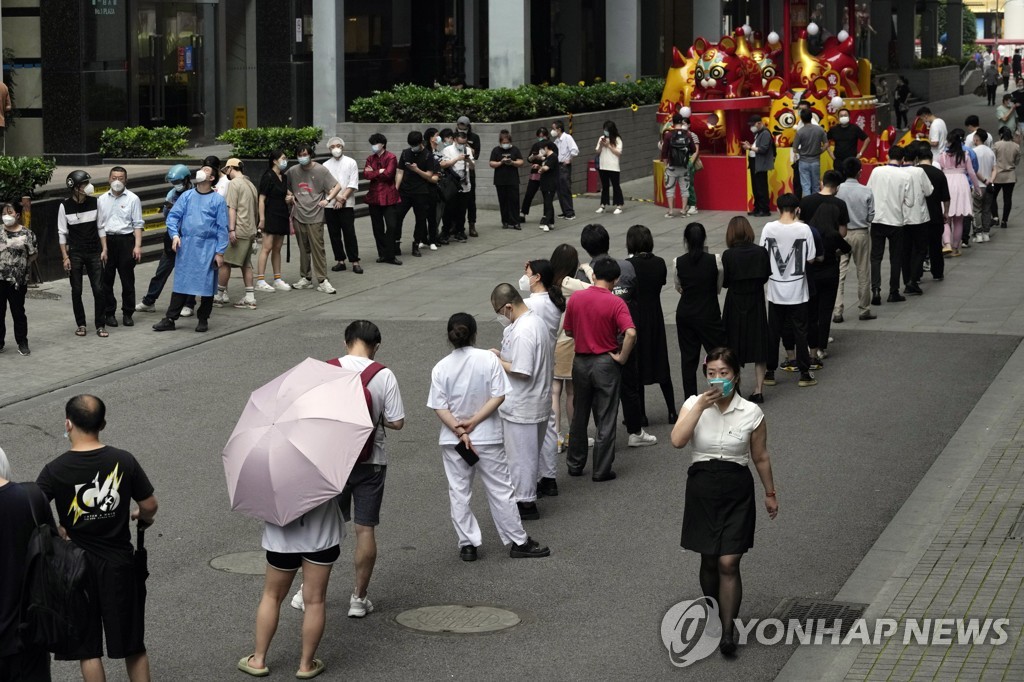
{"points": [[726, 385]]}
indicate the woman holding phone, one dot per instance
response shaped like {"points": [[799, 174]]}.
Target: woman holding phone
{"points": [[466, 388]]}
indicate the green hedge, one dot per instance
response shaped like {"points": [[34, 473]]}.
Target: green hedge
{"points": [[258, 143], [936, 62], [20, 175], [419, 104], [143, 143]]}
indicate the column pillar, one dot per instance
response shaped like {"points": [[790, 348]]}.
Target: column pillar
{"points": [[508, 34], [881, 21], [905, 34], [472, 41], [930, 28], [955, 28], [329, 57], [622, 39], [707, 21]]}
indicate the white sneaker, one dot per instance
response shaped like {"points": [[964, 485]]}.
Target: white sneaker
{"points": [[617, 211], [261, 285], [281, 285], [221, 299], [642, 439], [303, 284], [357, 608], [600, 210], [326, 288], [186, 312], [433, 247], [979, 238], [248, 304], [590, 442], [143, 308], [297, 602], [691, 211], [545, 228]]}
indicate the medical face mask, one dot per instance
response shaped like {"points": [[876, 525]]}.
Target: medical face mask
{"points": [[502, 320], [117, 186], [506, 146], [375, 148], [179, 187], [9, 220], [336, 152], [726, 385], [555, 133], [88, 189], [541, 139], [844, 119], [524, 282], [201, 176], [753, 129], [282, 165], [303, 160], [606, 134], [437, 140]]}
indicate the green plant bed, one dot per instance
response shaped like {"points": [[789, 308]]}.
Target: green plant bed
{"points": [[258, 143], [419, 104], [20, 175], [143, 143]]}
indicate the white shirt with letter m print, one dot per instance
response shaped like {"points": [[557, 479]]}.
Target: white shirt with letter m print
{"points": [[790, 247]]}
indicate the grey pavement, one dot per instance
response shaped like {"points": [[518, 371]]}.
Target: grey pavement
{"points": [[872, 465]]}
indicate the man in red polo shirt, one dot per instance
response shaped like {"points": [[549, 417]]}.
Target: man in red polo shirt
{"points": [[596, 319]]}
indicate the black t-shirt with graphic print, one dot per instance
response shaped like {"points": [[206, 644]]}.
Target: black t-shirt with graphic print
{"points": [[93, 491]]}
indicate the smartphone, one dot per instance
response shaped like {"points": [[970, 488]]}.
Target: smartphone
{"points": [[466, 454]]}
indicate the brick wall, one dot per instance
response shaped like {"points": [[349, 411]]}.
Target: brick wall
{"points": [[638, 129], [933, 85]]}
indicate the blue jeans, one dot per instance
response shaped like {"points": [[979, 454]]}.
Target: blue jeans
{"points": [[810, 178]]}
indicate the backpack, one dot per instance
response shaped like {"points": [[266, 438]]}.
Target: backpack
{"points": [[366, 376], [56, 597], [679, 149]]}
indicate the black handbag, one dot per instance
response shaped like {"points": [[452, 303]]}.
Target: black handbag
{"points": [[448, 186]]}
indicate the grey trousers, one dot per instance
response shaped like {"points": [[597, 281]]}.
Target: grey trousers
{"points": [[596, 380]]}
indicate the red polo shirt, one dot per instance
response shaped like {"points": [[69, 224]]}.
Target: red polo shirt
{"points": [[595, 317]]}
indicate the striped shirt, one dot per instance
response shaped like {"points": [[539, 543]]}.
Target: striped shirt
{"points": [[77, 226]]}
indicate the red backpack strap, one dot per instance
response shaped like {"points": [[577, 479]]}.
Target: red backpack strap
{"points": [[370, 372], [336, 362]]}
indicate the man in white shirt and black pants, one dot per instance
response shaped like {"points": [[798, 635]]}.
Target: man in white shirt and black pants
{"points": [[527, 356], [567, 151], [891, 189], [119, 215]]}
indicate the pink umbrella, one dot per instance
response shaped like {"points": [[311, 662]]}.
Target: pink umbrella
{"points": [[296, 442]]}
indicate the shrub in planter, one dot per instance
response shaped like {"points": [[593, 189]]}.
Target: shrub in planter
{"points": [[20, 175], [258, 143], [143, 143]]}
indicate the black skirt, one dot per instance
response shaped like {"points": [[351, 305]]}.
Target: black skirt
{"points": [[719, 514]]}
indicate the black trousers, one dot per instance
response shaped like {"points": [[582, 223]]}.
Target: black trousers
{"points": [[933, 233], [419, 204], [630, 392], [163, 272], [120, 263], [508, 202], [532, 187], [693, 335], [901, 116], [879, 235], [341, 228], [1007, 189], [13, 296], [793, 317], [88, 264], [759, 187], [455, 215], [610, 178], [596, 383], [990, 90], [386, 226], [798, 189], [915, 250], [819, 310], [179, 301], [549, 207], [434, 207], [565, 189], [471, 199]]}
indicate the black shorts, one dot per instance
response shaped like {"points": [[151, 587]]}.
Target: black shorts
{"points": [[121, 616], [292, 561], [366, 486]]}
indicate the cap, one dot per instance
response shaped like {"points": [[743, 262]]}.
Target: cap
{"points": [[754, 119], [462, 121], [231, 163], [335, 140]]}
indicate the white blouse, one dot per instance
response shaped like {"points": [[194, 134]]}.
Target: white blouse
{"points": [[725, 435]]}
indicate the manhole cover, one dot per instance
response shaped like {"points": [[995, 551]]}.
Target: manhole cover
{"points": [[815, 611], [249, 563], [457, 619]]}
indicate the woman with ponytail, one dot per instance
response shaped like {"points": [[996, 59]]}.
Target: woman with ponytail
{"points": [[962, 181]]}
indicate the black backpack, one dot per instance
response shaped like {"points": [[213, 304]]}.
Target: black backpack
{"points": [[680, 147], [56, 597]]}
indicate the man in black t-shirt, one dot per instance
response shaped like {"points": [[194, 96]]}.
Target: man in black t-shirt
{"points": [[83, 248], [417, 171], [937, 203], [827, 195], [506, 160], [93, 485], [535, 159], [845, 137]]}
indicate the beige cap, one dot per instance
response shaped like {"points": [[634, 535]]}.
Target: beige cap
{"points": [[232, 163]]}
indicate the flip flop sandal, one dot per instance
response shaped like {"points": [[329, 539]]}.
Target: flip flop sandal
{"points": [[102, 333], [243, 665], [81, 331], [318, 667]]}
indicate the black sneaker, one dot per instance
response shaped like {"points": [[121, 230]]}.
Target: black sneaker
{"points": [[912, 290], [528, 511], [203, 326], [416, 252], [816, 364], [111, 321], [467, 553], [769, 377], [807, 379], [789, 366], [528, 550], [164, 325], [128, 321], [895, 297], [23, 349], [876, 298], [548, 487]]}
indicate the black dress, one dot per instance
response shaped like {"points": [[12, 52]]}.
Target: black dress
{"points": [[275, 210], [651, 344], [745, 317], [698, 317]]}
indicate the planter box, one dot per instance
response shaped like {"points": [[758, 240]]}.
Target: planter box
{"points": [[933, 85], [639, 131]]}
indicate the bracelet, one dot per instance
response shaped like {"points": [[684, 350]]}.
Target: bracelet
{"points": [[770, 494]]}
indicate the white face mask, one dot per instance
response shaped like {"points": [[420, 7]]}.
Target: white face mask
{"points": [[375, 148], [555, 133], [179, 187], [303, 160], [437, 140], [117, 186], [524, 282], [283, 165], [201, 176], [506, 146], [9, 220], [504, 321], [753, 129], [336, 152], [844, 120], [89, 189]]}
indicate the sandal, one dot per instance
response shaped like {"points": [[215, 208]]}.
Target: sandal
{"points": [[318, 667], [243, 665], [102, 333], [81, 331]]}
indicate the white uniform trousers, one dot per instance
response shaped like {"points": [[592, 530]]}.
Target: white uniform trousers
{"points": [[493, 469], [549, 450], [522, 447]]}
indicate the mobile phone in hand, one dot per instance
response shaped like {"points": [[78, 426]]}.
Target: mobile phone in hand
{"points": [[466, 453]]}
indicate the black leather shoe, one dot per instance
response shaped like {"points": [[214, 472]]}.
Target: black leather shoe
{"points": [[837, 319], [467, 553], [727, 646], [338, 267], [528, 511], [895, 297], [756, 398], [416, 252], [203, 326], [610, 476], [876, 298], [473, 232], [128, 321], [528, 550], [382, 260], [111, 321], [548, 487], [394, 261], [912, 290], [164, 325], [575, 472]]}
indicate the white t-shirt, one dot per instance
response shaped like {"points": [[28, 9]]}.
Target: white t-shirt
{"points": [[789, 247], [346, 172], [386, 398], [986, 161], [318, 529], [969, 140], [461, 383], [608, 160], [937, 133], [529, 346], [725, 435], [920, 188], [541, 305]]}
